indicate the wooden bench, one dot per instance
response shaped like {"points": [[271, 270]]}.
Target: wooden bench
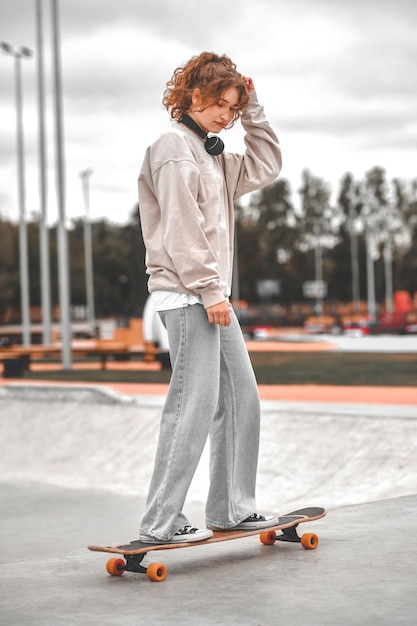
{"points": [[16, 359]]}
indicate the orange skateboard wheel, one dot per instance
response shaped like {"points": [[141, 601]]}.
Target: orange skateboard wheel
{"points": [[115, 567], [268, 539], [156, 572], [309, 541]]}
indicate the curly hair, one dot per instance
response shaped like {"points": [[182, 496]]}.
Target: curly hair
{"points": [[212, 75]]}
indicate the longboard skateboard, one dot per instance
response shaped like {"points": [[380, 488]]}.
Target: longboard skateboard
{"points": [[135, 551]]}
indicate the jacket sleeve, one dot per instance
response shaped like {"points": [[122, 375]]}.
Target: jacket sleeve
{"points": [[261, 162]]}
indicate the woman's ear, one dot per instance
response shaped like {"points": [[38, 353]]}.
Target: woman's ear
{"points": [[196, 97]]}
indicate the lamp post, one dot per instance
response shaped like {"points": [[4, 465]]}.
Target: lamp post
{"points": [[88, 250], [18, 54], [370, 276], [63, 257], [388, 254], [318, 266], [43, 226], [354, 255]]}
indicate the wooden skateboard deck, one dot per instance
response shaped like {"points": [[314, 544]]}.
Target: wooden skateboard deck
{"points": [[135, 551]]}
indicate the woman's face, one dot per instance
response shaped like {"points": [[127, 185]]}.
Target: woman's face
{"points": [[214, 118]]}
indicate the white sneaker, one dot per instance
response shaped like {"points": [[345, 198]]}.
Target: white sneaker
{"points": [[185, 534], [254, 522]]}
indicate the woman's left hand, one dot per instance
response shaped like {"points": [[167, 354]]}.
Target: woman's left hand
{"points": [[248, 83]]}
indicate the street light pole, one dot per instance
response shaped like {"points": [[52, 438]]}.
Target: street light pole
{"points": [[18, 54], [318, 266], [354, 263], [389, 287], [43, 230], [88, 250], [370, 276], [63, 257]]}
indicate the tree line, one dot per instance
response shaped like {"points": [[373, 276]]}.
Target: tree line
{"points": [[280, 243], [330, 239]]}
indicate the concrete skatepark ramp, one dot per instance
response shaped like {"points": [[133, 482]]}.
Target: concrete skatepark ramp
{"points": [[311, 453]]}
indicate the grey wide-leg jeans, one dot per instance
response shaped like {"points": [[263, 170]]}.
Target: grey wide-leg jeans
{"points": [[212, 392]]}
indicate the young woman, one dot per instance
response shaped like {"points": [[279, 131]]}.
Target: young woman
{"points": [[187, 187]]}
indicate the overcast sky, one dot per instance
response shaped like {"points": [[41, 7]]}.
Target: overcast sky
{"points": [[337, 79]]}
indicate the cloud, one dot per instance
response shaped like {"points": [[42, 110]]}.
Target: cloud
{"points": [[336, 80]]}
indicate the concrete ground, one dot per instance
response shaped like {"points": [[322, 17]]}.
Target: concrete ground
{"points": [[68, 455], [363, 572]]}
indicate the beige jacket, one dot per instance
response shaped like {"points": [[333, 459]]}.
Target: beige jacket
{"points": [[186, 206]]}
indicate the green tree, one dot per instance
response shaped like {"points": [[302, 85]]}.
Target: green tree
{"points": [[268, 234], [405, 201], [349, 253], [9, 266], [248, 253], [385, 211], [321, 224]]}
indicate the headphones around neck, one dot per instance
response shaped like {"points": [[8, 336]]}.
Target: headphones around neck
{"points": [[213, 144]]}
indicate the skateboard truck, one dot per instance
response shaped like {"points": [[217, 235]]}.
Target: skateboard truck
{"points": [[132, 563], [289, 534], [309, 541]]}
